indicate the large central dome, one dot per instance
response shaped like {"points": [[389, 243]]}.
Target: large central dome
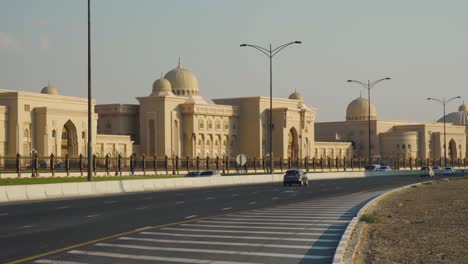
{"points": [[457, 118], [183, 81], [358, 109]]}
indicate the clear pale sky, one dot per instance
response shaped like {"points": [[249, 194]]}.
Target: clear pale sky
{"points": [[421, 44]]}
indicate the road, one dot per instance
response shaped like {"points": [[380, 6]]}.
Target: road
{"points": [[191, 226]]}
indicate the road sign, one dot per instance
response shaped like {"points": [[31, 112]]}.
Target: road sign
{"points": [[241, 159]]}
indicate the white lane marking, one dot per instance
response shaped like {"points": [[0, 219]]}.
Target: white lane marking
{"points": [[270, 227], [209, 198], [142, 208], [274, 198], [227, 208], [283, 220], [143, 228], [248, 231], [180, 202], [154, 258], [62, 207], [266, 223], [46, 261], [24, 227], [190, 216], [148, 198], [3, 214], [94, 215], [307, 211], [291, 217], [221, 243], [242, 237], [303, 214], [110, 202], [213, 251], [252, 202]]}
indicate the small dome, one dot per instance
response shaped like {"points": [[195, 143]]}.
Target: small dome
{"points": [[161, 87], [296, 96], [358, 109], [183, 81], [463, 108], [49, 89]]}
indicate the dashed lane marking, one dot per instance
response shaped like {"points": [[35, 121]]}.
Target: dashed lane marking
{"points": [[24, 227], [154, 258], [180, 202], [252, 202], [110, 202], [190, 216], [221, 243], [148, 198], [142, 208], [46, 261], [209, 198], [62, 207], [227, 208], [250, 232], [274, 198], [94, 215], [213, 251], [3, 214]]}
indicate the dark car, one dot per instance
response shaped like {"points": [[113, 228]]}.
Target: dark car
{"points": [[295, 177], [193, 174], [209, 173]]}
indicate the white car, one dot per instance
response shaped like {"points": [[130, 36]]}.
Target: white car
{"points": [[438, 170], [384, 168], [449, 171]]}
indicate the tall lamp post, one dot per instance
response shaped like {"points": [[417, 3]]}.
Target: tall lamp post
{"points": [[90, 138], [270, 53], [444, 102], [369, 85]]}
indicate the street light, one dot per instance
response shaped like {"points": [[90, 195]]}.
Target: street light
{"points": [[369, 85], [90, 135], [270, 53], [444, 102]]}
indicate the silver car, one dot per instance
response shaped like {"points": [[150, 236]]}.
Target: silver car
{"points": [[296, 176], [209, 173]]}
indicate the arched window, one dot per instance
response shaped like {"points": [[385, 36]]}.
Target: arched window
{"points": [[409, 146], [83, 135], [201, 124], [183, 92], [218, 125], [403, 146], [199, 142], [226, 125], [398, 146], [210, 124], [54, 133]]}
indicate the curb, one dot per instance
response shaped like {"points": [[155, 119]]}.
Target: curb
{"points": [[340, 256]]}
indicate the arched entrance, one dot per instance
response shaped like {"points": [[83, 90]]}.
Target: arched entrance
{"points": [[293, 145], [69, 144], [453, 154]]}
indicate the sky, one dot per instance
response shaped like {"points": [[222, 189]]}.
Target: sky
{"points": [[421, 44]]}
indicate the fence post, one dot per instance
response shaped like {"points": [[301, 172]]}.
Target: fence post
{"points": [[187, 164], [155, 164], [166, 165], [321, 163], [207, 161], [143, 165], [119, 163], [198, 163], [177, 164], [80, 163], [132, 169], [337, 165], [173, 160], [67, 164], [18, 164], [52, 164], [94, 163], [217, 162], [227, 165], [289, 163], [411, 163], [329, 163], [313, 163], [107, 164], [263, 164]]}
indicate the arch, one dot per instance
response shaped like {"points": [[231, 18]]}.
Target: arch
{"points": [[293, 146], [69, 144], [26, 142], [200, 124], [453, 153], [210, 124]]}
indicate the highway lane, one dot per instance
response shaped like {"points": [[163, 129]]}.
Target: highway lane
{"points": [[28, 229]]}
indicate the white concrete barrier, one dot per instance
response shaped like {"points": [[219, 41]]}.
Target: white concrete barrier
{"points": [[60, 190]]}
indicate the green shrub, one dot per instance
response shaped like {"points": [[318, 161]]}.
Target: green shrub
{"points": [[370, 219]]}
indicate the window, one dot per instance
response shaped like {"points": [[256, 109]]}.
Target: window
{"points": [[226, 125], [200, 124], [409, 146], [27, 108], [218, 125], [403, 146], [210, 124], [54, 133], [398, 146]]}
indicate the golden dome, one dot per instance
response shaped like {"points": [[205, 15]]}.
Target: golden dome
{"points": [[161, 87], [296, 96], [183, 81], [463, 108], [358, 109], [49, 89]]}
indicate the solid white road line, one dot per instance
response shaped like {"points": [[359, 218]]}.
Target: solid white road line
{"points": [[308, 210], [241, 237], [223, 243], [252, 202], [283, 220], [46, 261], [209, 198], [270, 227], [248, 231], [62, 207], [301, 214], [3, 214], [110, 202], [180, 202], [227, 208], [266, 223], [94, 215], [24, 227], [154, 258], [246, 215], [190, 216], [212, 251]]}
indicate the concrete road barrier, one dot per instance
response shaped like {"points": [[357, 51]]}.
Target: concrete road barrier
{"points": [[61, 190]]}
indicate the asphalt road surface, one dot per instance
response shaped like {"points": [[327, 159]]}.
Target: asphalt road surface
{"points": [[262, 223]]}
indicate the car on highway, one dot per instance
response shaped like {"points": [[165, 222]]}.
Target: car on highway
{"points": [[384, 168], [438, 170], [372, 167], [209, 173], [449, 171], [192, 174], [295, 176], [426, 172]]}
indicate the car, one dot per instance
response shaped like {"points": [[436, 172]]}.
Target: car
{"points": [[192, 174], [372, 167], [384, 168], [426, 171], [209, 173], [295, 176], [449, 171], [438, 170]]}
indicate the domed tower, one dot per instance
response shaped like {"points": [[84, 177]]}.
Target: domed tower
{"points": [[49, 89], [161, 87], [458, 118], [183, 81], [296, 96], [358, 109]]}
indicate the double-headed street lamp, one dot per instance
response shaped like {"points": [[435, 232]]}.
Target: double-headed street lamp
{"points": [[369, 85], [270, 53], [444, 102]]}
